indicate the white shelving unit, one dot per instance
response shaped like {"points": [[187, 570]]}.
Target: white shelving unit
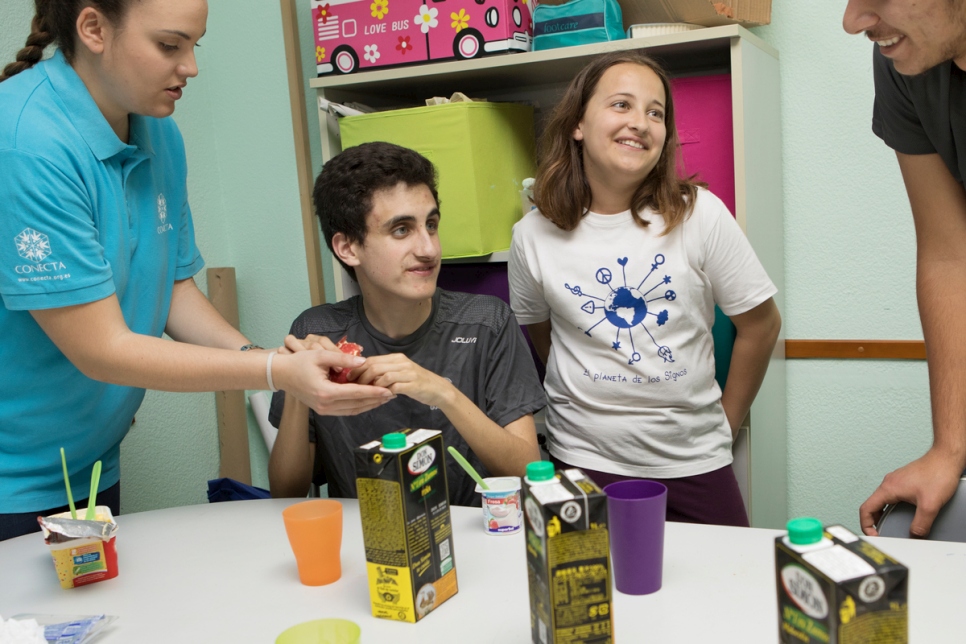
{"points": [[540, 78]]}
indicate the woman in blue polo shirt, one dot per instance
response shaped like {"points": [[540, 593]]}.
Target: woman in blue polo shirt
{"points": [[97, 253]]}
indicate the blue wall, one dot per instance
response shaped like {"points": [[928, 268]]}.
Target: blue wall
{"points": [[849, 270]]}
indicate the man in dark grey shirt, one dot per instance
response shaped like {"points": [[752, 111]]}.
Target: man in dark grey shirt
{"points": [[920, 112], [455, 362]]}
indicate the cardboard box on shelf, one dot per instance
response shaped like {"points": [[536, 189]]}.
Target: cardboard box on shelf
{"points": [[709, 13]]}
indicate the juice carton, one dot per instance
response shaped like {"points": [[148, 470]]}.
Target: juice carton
{"points": [[835, 588], [567, 557], [406, 527], [83, 551]]}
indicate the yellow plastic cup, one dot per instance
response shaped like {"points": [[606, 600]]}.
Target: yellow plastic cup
{"points": [[322, 631]]}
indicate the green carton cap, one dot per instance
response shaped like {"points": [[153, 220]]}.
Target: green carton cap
{"points": [[804, 531], [395, 440], [540, 471]]}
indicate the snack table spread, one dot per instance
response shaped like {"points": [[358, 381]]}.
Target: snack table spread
{"points": [[224, 572]]}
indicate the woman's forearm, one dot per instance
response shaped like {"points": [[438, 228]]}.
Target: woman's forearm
{"points": [[757, 332]]}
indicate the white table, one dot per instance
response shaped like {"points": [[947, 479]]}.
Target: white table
{"points": [[225, 573]]}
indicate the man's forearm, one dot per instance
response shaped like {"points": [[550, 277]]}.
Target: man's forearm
{"points": [[292, 458], [938, 204], [941, 290], [503, 452]]}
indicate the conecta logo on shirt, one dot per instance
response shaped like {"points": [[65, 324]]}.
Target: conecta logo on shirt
{"points": [[163, 215], [34, 247]]}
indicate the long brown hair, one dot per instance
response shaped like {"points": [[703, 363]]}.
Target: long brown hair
{"points": [[56, 21], [561, 191]]}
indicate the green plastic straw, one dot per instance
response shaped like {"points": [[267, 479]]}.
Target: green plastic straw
{"points": [[70, 497], [466, 466], [92, 497]]}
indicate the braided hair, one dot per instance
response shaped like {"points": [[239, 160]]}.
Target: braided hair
{"points": [[55, 21]]}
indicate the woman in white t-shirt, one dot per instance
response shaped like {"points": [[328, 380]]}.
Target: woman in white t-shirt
{"points": [[616, 275]]}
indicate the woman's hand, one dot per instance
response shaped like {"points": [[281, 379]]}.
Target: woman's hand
{"points": [[325, 397], [294, 344]]}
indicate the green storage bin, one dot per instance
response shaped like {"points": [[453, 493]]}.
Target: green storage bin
{"points": [[482, 152]]}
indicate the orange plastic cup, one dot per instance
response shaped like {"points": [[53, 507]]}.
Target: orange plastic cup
{"points": [[314, 530]]}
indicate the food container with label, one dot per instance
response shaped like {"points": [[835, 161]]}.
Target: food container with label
{"points": [[83, 551], [502, 508]]}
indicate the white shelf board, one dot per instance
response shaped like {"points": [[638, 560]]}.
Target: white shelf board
{"points": [[699, 49], [498, 257]]}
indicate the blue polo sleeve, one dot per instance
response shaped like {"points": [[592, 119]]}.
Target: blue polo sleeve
{"points": [[190, 260], [50, 255]]}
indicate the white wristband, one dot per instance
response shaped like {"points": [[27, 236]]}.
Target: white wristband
{"points": [[268, 371]]}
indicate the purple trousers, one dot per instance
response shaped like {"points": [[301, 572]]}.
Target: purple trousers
{"points": [[712, 498]]}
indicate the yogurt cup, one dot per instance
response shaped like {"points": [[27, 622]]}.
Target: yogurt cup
{"points": [[502, 508]]}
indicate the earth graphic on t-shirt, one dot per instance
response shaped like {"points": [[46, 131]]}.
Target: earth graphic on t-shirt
{"points": [[625, 307]]}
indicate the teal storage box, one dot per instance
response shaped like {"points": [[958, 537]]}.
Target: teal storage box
{"points": [[482, 152], [578, 22]]}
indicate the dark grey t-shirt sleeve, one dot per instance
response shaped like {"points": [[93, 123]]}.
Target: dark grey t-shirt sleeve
{"points": [[894, 116], [275, 414], [512, 388], [278, 398]]}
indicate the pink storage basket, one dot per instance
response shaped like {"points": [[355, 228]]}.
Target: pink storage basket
{"points": [[703, 111]]}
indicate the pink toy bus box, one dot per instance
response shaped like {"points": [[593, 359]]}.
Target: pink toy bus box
{"points": [[352, 35]]}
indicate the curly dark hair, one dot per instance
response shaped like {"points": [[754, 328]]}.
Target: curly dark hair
{"points": [[345, 187], [55, 21]]}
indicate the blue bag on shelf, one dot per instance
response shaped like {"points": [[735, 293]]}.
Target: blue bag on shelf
{"points": [[578, 22]]}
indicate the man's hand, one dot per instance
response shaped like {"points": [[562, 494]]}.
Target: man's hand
{"points": [[927, 482], [298, 374], [505, 451], [401, 375]]}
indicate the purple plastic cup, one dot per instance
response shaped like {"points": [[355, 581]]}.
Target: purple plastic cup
{"points": [[635, 512]]}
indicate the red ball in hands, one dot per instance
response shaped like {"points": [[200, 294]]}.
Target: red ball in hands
{"points": [[338, 374]]}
